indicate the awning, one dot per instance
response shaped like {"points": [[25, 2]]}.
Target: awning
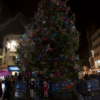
{"points": [[13, 68], [4, 72]]}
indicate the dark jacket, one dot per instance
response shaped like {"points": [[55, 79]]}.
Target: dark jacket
{"points": [[12, 90], [0, 89], [80, 87], [32, 84]]}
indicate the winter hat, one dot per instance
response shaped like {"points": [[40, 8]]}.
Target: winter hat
{"points": [[32, 79]]}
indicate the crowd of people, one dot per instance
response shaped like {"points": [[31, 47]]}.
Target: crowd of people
{"points": [[10, 87], [92, 76], [79, 87], [9, 92]]}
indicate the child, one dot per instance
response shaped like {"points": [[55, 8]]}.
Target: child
{"points": [[45, 89], [32, 84]]}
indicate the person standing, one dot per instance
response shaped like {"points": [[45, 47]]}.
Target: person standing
{"points": [[32, 84], [11, 90], [45, 89], [7, 87], [80, 87]]}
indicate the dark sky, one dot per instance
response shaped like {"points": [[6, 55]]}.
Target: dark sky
{"points": [[86, 11]]}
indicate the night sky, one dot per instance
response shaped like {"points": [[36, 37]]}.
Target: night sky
{"points": [[86, 12]]}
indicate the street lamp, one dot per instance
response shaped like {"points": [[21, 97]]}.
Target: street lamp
{"points": [[8, 45], [13, 43]]}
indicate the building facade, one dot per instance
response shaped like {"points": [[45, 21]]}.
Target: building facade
{"points": [[95, 52], [92, 37], [9, 49], [1, 51]]}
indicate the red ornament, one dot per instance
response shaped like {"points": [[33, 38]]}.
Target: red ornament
{"points": [[50, 25], [76, 37], [59, 74], [37, 21], [63, 18], [58, 31], [58, 9], [29, 73], [45, 6], [38, 4], [40, 47], [55, 48], [68, 86], [66, 9], [53, 59], [39, 52], [45, 39], [33, 34], [38, 29], [68, 59], [68, 28]]}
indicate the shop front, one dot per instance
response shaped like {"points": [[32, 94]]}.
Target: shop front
{"points": [[14, 69]]}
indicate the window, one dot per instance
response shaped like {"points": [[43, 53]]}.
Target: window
{"points": [[5, 49], [94, 47], [94, 38], [7, 39], [4, 60], [96, 54], [92, 62], [99, 34]]}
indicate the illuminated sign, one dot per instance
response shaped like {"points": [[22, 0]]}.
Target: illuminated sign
{"points": [[13, 68]]}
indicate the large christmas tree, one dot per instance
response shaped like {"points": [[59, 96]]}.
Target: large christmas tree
{"points": [[50, 40]]}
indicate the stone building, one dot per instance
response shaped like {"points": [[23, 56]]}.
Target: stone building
{"points": [[9, 49]]}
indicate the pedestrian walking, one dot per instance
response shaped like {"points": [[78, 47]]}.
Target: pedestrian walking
{"points": [[32, 85], [45, 89], [80, 87]]}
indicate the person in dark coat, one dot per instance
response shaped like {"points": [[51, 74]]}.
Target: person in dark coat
{"points": [[19, 77], [11, 91], [7, 87], [80, 87]]}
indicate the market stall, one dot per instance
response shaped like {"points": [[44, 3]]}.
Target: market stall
{"points": [[13, 69]]}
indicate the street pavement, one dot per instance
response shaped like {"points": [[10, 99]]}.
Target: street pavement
{"points": [[58, 97]]}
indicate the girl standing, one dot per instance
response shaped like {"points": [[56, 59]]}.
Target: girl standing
{"points": [[45, 89]]}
